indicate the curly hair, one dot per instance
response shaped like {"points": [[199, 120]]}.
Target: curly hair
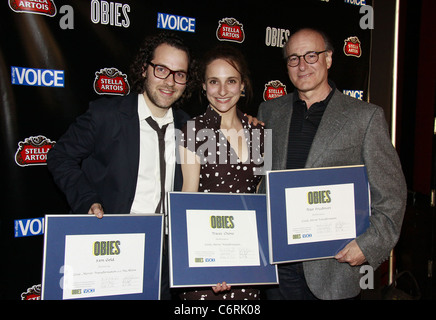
{"points": [[146, 53]]}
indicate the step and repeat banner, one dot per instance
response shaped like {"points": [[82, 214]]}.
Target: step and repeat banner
{"points": [[56, 56]]}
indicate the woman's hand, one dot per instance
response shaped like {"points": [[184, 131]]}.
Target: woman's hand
{"points": [[221, 287]]}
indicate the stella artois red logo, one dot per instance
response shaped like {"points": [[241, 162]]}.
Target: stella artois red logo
{"points": [[229, 29], [45, 7], [274, 89], [33, 293], [111, 81], [33, 151], [352, 47]]}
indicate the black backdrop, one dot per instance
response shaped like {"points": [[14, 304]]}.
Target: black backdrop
{"points": [[74, 38]]}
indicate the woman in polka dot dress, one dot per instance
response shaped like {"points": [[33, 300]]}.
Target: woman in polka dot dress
{"points": [[220, 150]]}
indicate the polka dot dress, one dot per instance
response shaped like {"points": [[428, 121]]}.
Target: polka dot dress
{"points": [[222, 171], [233, 294]]}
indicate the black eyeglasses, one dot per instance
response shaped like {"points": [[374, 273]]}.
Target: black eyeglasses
{"points": [[311, 57], [162, 72]]}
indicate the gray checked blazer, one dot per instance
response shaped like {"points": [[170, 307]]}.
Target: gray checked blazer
{"points": [[351, 132]]}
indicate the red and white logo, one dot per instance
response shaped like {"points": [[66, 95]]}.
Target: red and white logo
{"points": [[33, 293], [33, 151], [111, 81], [352, 47], [45, 7], [229, 29], [274, 89]]}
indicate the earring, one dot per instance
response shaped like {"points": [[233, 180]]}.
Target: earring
{"points": [[243, 93]]}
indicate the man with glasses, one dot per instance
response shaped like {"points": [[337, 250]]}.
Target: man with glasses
{"points": [[318, 126], [119, 157]]}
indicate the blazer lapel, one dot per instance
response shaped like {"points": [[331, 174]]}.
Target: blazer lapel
{"points": [[180, 119], [331, 124], [281, 120], [130, 127]]}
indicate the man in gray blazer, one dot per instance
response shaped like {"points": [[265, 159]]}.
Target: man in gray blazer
{"points": [[318, 126]]}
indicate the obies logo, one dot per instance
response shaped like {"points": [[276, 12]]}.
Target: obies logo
{"points": [[276, 37], [274, 89], [110, 13], [45, 7], [104, 248], [111, 81], [218, 222], [352, 47], [229, 29], [33, 151]]}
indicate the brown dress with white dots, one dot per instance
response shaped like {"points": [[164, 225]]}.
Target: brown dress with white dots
{"points": [[222, 171]]}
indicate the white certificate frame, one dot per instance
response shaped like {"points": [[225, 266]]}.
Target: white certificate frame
{"points": [[59, 227], [277, 184], [182, 275]]}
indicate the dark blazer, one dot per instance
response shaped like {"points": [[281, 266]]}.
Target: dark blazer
{"points": [[351, 132], [97, 159]]}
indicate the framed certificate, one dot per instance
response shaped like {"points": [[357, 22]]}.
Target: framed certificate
{"points": [[116, 257], [216, 237], [314, 213]]}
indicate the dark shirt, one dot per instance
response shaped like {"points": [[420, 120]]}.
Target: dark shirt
{"points": [[304, 124], [221, 169]]}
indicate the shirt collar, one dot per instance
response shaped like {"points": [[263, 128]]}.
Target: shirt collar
{"points": [[326, 101], [144, 112]]}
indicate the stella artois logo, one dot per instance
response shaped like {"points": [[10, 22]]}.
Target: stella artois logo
{"points": [[229, 29], [33, 293], [352, 47], [33, 151], [45, 7], [274, 89], [111, 81]]}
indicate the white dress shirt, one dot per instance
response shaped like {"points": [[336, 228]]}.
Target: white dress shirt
{"points": [[148, 187]]}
